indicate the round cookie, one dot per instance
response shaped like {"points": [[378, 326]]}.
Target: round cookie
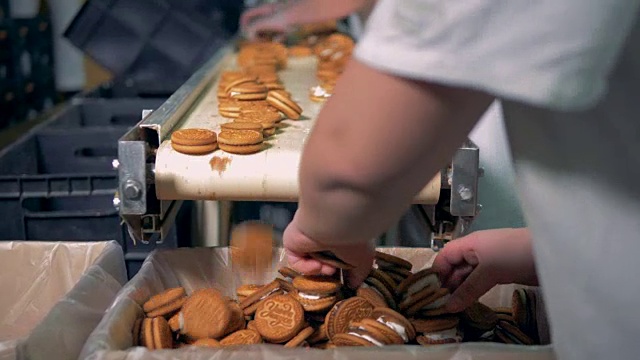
{"points": [[329, 258], [372, 296], [240, 141], [382, 290], [383, 278], [283, 103], [388, 261], [345, 339], [193, 137], [206, 314], [338, 318], [288, 272], [436, 300], [417, 282], [242, 337], [379, 331], [319, 335], [435, 324], [248, 92], [165, 303], [396, 322], [511, 334], [156, 333], [479, 318], [195, 149], [260, 294], [279, 318], [316, 292], [241, 126]]}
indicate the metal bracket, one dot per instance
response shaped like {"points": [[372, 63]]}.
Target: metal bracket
{"points": [[464, 181]]}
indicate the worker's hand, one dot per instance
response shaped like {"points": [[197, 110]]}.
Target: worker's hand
{"points": [[298, 246], [472, 265], [263, 19]]}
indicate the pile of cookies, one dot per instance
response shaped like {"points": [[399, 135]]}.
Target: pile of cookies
{"points": [[394, 306], [255, 95]]}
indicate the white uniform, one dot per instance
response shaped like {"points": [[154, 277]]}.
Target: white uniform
{"points": [[568, 74]]}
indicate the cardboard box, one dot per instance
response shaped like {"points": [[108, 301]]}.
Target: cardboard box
{"points": [[54, 294], [211, 267]]}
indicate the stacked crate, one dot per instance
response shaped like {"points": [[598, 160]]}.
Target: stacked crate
{"points": [[27, 84]]}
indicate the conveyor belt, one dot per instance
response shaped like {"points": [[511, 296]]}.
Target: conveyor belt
{"points": [[268, 175]]}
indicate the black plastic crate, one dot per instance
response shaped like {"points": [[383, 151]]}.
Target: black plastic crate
{"points": [[4, 10], [10, 109], [125, 89], [88, 113], [154, 44]]}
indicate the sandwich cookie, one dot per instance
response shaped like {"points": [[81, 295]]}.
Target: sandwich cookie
{"points": [[382, 289], [367, 332], [231, 126], [206, 314], [427, 299], [242, 337], [300, 338], [523, 305], [243, 291], [511, 334], [417, 282], [478, 322], [450, 336], [241, 141], [248, 92], [396, 322], [250, 304], [279, 318], [344, 312], [316, 293], [285, 104], [239, 81], [229, 108], [391, 263], [385, 279], [330, 258], [435, 331], [155, 334], [266, 119], [194, 141], [259, 106], [372, 296], [166, 303], [288, 273]]}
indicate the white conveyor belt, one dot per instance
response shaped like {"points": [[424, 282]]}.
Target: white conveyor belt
{"points": [[270, 175]]}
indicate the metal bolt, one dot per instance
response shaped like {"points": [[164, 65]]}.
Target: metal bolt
{"points": [[480, 172], [132, 190], [478, 208], [115, 164], [465, 193], [116, 202]]}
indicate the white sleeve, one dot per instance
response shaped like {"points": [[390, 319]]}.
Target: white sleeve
{"points": [[552, 53]]}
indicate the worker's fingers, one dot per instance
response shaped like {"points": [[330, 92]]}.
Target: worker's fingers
{"points": [[475, 285], [360, 256], [453, 255], [456, 277], [252, 14]]}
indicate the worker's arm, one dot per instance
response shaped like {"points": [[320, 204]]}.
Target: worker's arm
{"points": [[270, 17], [376, 144]]}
